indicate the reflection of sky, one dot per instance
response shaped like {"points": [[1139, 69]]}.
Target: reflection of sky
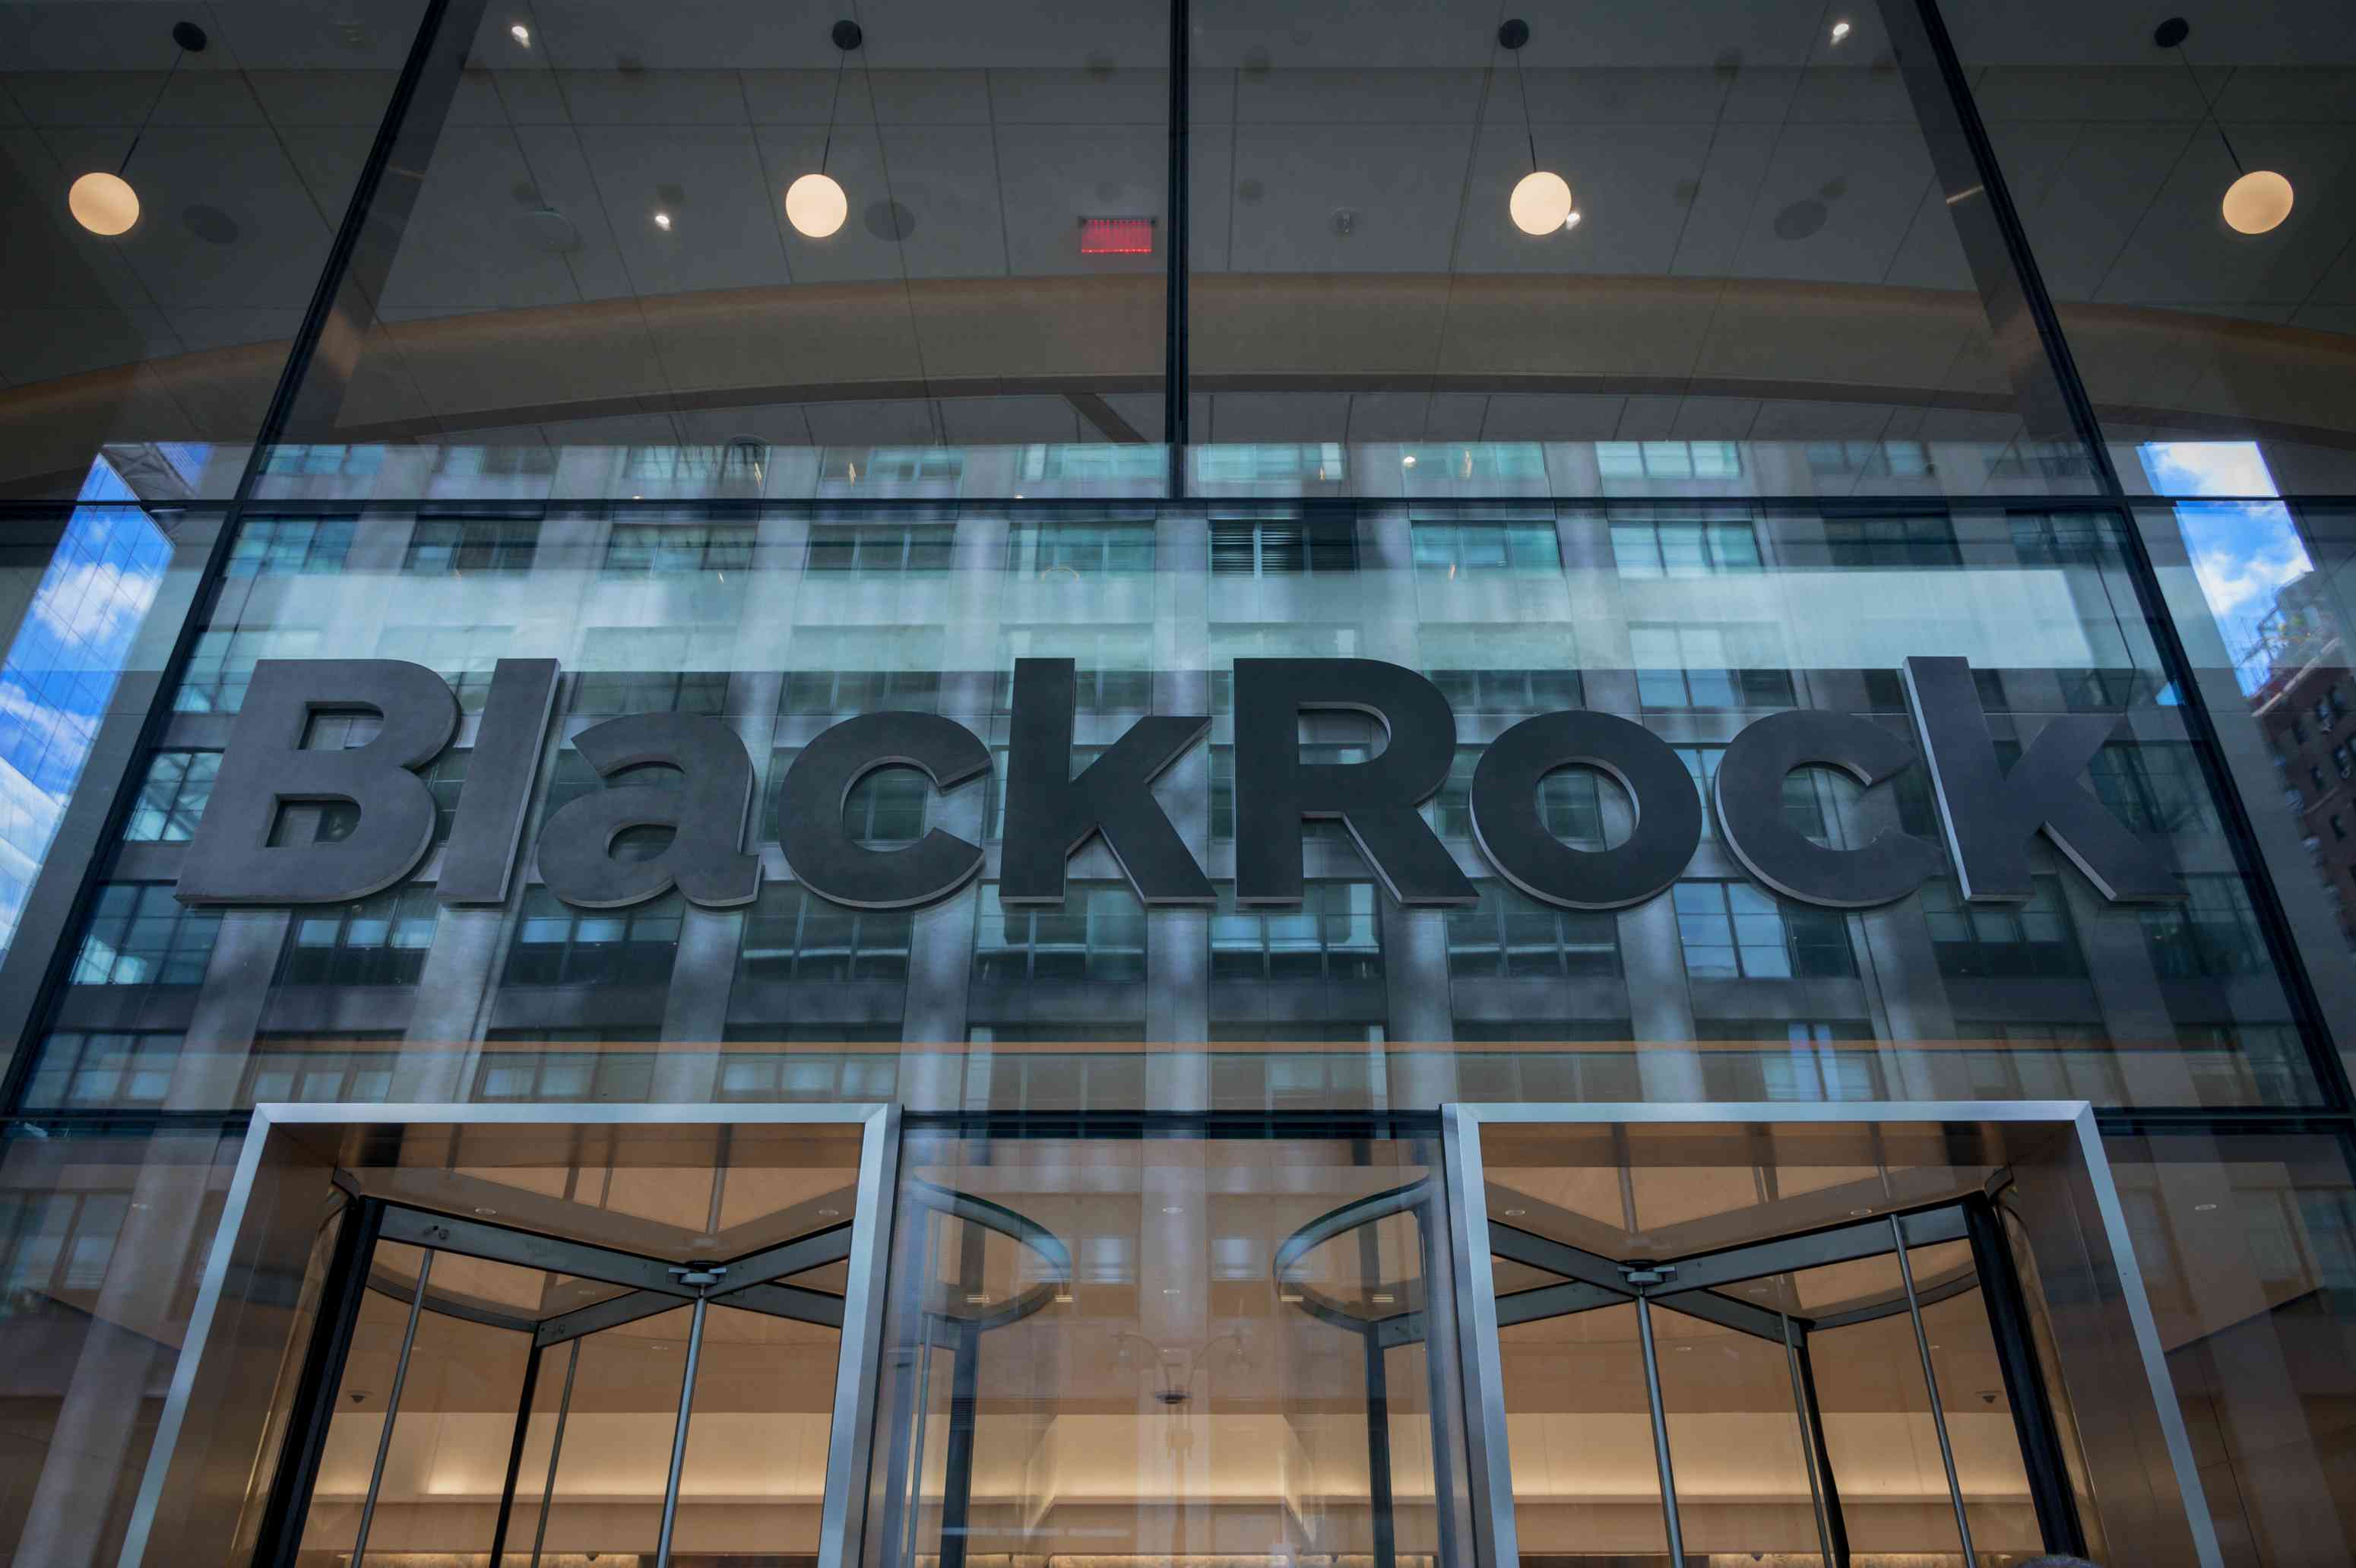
{"points": [[61, 668], [2243, 550]]}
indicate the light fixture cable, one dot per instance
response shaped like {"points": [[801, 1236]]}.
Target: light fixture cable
{"points": [[191, 40], [2208, 110]]}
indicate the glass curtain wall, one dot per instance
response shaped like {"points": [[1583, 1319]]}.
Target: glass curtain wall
{"points": [[1783, 408]]}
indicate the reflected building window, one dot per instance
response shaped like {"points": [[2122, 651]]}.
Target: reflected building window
{"points": [[140, 935], [1870, 459], [573, 1071], [1503, 668], [525, 458], [1310, 544], [1509, 935], [80, 1070], [1335, 934], [54, 1250], [378, 941], [806, 1076], [1737, 931], [1858, 542], [861, 670], [172, 797], [1732, 666], [882, 548], [1682, 547], [286, 546], [1820, 1060], [1231, 640], [2213, 934], [645, 670], [792, 934], [2068, 539], [1058, 550], [1452, 550], [1669, 459], [556, 944], [315, 1068], [678, 549], [468, 547], [325, 459], [2031, 940], [223, 662], [701, 464], [1097, 934]]}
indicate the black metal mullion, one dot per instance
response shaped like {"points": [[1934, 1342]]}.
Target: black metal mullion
{"points": [[515, 1457], [1174, 373], [341, 1295], [1834, 1524], [2024, 1385]]}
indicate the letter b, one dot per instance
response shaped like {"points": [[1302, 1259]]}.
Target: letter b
{"points": [[230, 860]]}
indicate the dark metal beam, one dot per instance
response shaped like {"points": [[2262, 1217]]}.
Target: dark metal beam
{"points": [[2024, 1383], [341, 1292]]}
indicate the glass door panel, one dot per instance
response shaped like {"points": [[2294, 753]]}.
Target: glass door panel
{"points": [[1739, 1441]]}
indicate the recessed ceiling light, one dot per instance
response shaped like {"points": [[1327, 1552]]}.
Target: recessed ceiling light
{"points": [[1840, 31], [1172, 1208], [1572, 221], [1860, 1212], [662, 221], [520, 34], [2204, 1208], [1407, 461], [1516, 1213], [487, 1213], [1170, 1290], [828, 1213]]}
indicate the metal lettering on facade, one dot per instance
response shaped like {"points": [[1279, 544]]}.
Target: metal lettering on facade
{"points": [[1988, 813]]}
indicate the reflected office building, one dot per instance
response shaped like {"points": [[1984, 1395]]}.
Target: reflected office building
{"points": [[1177, 784]]}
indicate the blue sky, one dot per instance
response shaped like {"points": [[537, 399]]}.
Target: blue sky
{"points": [[2243, 550]]}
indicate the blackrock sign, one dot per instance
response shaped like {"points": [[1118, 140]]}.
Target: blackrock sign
{"points": [[1989, 813]]}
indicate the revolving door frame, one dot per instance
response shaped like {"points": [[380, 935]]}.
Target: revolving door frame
{"points": [[240, 1389], [2171, 1495]]}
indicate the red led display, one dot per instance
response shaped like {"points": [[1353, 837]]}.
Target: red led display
{"points": [[1115, 236]]}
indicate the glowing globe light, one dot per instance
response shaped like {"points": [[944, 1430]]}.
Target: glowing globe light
{"points": [[1541, 203], [105, 203], [816, 206], [2257, 201]]}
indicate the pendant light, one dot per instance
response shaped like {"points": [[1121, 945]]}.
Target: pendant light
{"points": [[2257, 201], [815, 204], [1541, 200], [105, 203]]}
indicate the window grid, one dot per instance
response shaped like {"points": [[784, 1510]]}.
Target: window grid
{"points": [[882, 549], [1733, 930], [378, 941], [556, 944], [1061, 551], [1570, 802], [1097, 934], [1674, 549], [1511, 936], [94, 1069], [139, 934], [462, 546], [1452, 550], [793, 935], [286, 546], [1335, 934], [173, 797], [2213, 934], [2032, 940], [671, 549]]}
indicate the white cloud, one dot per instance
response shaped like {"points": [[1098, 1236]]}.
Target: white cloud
{"points": [[2234, 580], [93, 603]]}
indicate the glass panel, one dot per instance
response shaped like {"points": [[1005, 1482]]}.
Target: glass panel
{"points": [[168, 215], [1754, 282], [997, 212], [2129, 161], [1123, 1380], [2247, 1248], [103, 1239], [1737, 1440], [1580, 1437]]}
